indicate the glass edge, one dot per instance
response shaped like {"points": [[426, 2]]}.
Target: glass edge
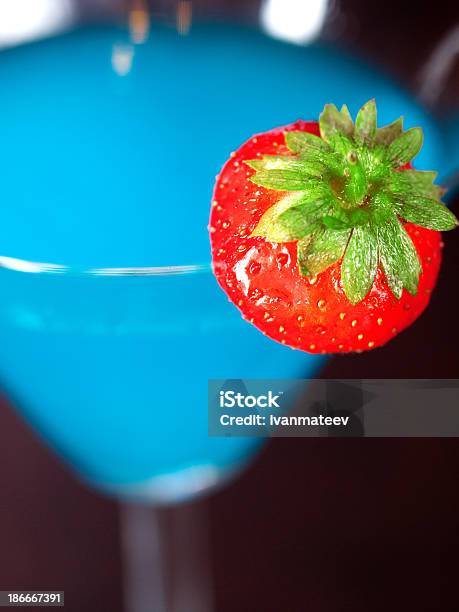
{"points": [[35, 267]]}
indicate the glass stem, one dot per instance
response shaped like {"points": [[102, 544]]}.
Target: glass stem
{"points": [[165, 554], [143, 559], [192, 581]]}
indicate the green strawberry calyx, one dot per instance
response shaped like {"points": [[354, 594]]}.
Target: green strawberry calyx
{"points": [[346, 197]]}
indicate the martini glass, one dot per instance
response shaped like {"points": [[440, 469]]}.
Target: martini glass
{"points": [[111, 322], [107, 175], [108, 158]]}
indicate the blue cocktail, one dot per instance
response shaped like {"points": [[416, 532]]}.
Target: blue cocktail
{"points": [[112, 368]]}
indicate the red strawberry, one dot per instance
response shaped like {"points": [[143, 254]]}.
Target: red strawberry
{"points": [[323, 235]]}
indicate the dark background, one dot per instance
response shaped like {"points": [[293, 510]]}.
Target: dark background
{"points": [[314, 524]]}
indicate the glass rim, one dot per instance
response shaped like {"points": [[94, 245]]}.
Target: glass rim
{"points": [[35, 267]]}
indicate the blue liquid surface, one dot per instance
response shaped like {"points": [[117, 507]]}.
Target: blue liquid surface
{"points": [[102, 170]]}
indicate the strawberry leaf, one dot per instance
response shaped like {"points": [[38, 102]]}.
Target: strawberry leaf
{"points": [[360, 264], [398, 257], [357, 186], [276, 162], [373, 162], [311, 149], [336, 223], [359, 216], [389, 133], [333, 123], [276, 228], [265, 225], [346, 114], [365, 123], [411, 182], [344, 147], [286, 173], [383, 207], [303, 142], [320, 250], [299, 221], [282, 180], [405, 147], [428, 213]]}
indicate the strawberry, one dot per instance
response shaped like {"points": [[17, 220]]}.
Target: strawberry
{"points": [[324, 236]]}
